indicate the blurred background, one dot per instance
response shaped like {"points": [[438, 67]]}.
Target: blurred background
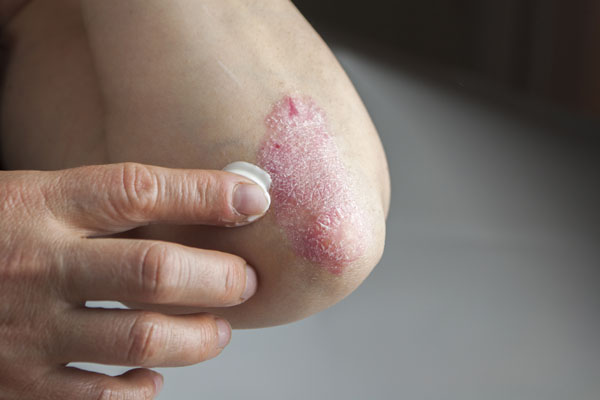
{"points": [[546, 48], [489, 288]]}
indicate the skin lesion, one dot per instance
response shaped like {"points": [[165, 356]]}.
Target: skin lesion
{"points": [[313, 195]]}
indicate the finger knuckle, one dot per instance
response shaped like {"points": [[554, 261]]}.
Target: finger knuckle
{"points": [[24, 383], [213, 194], [203, 345], [234, 272], [147, 337], [157, 277], [110, 393], [14, 262], [16, 194], [139, 187]]}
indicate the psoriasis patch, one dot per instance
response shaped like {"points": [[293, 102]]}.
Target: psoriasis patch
{"points": [[311, 189]]}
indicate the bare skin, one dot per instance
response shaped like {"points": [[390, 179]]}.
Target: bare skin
{"points": [[50, 266], [188, 84], [215, 68]]}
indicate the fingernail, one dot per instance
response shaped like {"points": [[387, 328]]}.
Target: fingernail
{"points": [[249, 199], [251, 283], [251, 203], [224, 332], [158, 383]]}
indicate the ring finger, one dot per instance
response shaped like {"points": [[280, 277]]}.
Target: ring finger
{"points": [[154, 272]]}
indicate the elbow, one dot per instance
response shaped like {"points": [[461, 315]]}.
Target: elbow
{"points": [[316, 201], [316, 271], [343, 255], [330, 222]]}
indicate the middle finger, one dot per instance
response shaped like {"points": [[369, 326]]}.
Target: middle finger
{"points": [[155, 272]]}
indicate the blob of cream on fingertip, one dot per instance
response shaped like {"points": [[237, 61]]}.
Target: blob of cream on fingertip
{"points": [[256, 174]]}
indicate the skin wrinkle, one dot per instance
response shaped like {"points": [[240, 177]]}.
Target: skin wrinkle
{"points": [[312, 192]]}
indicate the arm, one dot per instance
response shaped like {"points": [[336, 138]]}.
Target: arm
{"points": [[200, 84]]}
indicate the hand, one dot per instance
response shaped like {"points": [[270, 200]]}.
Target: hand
{"points": [[50, 266]]}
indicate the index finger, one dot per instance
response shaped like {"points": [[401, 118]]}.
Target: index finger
{"points": [[118, 197]]}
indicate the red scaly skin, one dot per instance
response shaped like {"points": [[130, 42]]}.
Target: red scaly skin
{"points": [[312, 193]]}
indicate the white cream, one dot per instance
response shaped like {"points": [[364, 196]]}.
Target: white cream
{"points": [[255, 174]]}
